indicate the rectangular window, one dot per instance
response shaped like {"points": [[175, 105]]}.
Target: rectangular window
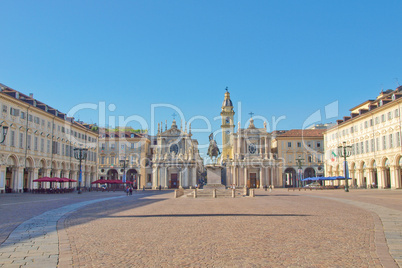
{"points": [[29, 142], [397, 113], [132, 145], [12, 138], [391, 141], [62, 149], [48, 146], [372, 145], [377, 120], [103, 146], [30, 118], [42, 145], [289, 144], [103, 160], [366, 124], [4, 108], [371, 122], [43, 123], [35, 143], [21, 140], [299, 144], [367, 147], [362, 147], [351, 130], [48, 124], [383, 118], [14, 112], [23, 115], [357, 148], [112, 145], [378, 144], [384, 143], [389, 115], [398, 139], [37, 120], [353, 149]]}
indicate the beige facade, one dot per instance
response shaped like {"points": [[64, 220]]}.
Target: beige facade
{"points": [[133, 147], [374, 131], [40, 143], [246, 154], [304, 145], [176, 161]]}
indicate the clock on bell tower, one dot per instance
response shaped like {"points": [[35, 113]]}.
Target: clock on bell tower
{"points": [[227, 115]]}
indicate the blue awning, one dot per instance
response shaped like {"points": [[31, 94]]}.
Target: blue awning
{"points": [[325, 178]]}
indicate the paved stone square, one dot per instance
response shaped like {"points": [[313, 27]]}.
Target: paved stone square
{"points": [[152, 229]]}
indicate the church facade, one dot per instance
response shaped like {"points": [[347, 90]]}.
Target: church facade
{"points": [[246, 154], [176, 161]]}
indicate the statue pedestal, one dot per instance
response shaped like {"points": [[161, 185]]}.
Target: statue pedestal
{"points": [[214, 177]]}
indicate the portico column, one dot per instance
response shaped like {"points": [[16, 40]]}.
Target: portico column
{"points": [[261, 178], [381, 176], [266, 148], [154, 177], [245, 176], [394, 175], [19, 175], [166, 177]]}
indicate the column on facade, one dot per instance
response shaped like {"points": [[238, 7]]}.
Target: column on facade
{"points": [[234, 147], [262, 181], [266, 148], [166, 177], [193, 176], [394, 176], [245, 174], [381, 177], [154, 177]]}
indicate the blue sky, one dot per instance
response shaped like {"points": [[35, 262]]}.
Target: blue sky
{"points": [[278, 58]]}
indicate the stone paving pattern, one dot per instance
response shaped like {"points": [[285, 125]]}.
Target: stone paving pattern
{"points": [[278, 229]]}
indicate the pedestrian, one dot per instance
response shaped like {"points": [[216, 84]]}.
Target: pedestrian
{"points": [[131, 191], [127, 190], [160, 187]]}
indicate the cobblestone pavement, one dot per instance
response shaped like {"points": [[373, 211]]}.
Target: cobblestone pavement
{"points": [[278, 229]]}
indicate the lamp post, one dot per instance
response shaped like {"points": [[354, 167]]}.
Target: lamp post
{"points": [[345, 151], [123, 163], [299, 163], [80, 154], [5, 130]]}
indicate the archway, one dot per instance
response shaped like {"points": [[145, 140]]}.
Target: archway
{"points": [[309, 172], [112, 174], [132, 176], [11, 174], [290, 177]]}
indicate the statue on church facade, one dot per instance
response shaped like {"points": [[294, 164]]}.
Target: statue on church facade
{"points": [[213, 150]]}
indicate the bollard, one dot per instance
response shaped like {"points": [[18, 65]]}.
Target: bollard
{"points": [[195, 193], [175, 193], [214, 193], [233, 193]]}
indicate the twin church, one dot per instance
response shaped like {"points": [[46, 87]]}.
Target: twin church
{"points": [[246, 155]]}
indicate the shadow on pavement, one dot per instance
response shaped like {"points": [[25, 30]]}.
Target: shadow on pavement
{"points": [[208, 215]]}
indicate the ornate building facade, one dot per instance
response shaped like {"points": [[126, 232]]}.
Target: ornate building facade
{"points": [[246, 154], [176, 161], [126, 152], [373, 129], [40, 143]]}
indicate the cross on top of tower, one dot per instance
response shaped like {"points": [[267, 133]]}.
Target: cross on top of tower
{"points": [[226, 89], [174, 116], [251, 114]]}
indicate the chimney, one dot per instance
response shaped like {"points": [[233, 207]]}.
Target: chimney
{"points": [[31, 95]]}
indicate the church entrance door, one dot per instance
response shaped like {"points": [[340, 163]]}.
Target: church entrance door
{"points": [[173, 180], [253, 180]]}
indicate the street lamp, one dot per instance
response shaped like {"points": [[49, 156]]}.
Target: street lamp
{"points": [[299, 163], [124, 162], [345, 151], [80, 154], [5, 130]]}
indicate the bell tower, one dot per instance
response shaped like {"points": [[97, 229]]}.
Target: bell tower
{"points": [[227, 115]]}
